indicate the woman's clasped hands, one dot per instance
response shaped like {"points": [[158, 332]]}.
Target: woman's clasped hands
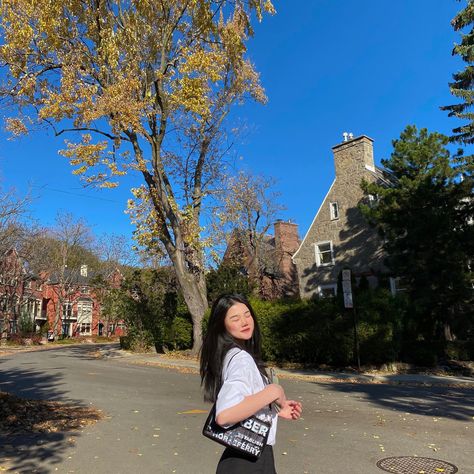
{"points": [[290, 410]]}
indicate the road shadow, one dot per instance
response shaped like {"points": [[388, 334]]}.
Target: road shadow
{"points": [[35, 448], [439, 402], [94, 351]]}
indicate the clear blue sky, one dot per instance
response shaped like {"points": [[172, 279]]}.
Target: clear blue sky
{"points": [[368, 67]]}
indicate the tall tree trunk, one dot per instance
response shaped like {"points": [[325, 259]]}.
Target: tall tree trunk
{"points": [[194, 291]]}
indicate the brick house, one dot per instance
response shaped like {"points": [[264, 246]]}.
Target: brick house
{"points": [[73, 300], [19, 291], [273, 270], [339, 236]]}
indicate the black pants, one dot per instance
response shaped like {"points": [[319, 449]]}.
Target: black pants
{"points": [[232, 462]]}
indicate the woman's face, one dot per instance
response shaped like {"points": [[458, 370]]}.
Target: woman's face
{"points": [[239, 322]]}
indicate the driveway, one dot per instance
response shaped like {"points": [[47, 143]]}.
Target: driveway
{"points": [[154, 415]]}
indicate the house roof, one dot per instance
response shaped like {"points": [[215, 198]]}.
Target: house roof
{"points": [[73, 276], [383, 177], [312, 223]]}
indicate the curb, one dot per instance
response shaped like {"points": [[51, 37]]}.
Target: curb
{"points": [[417, 380], [192, 367]]}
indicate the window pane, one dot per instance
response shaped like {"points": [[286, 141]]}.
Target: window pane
{"points": [[328, 292], [325, 254]]}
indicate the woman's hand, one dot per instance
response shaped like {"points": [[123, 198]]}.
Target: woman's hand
{"points": [[290, 410]]}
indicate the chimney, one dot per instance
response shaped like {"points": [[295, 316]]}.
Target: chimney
{"points": [[84, 270], [353, 156], [286, 244]]}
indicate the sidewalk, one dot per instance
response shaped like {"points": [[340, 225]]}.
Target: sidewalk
{"points": [[188, 365], [192, 366]]}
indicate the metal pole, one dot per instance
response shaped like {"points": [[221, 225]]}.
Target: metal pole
{"points": [[356, 338]]}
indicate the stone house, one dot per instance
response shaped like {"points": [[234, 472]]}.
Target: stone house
{"points": [[268, 261], [339, 236]]}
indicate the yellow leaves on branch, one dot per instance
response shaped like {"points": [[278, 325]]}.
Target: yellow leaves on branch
{"points": [[86, 155], [121, 68], [191, 94], [84, 152], [207, 63], [16, 127], [260, 5], [120, 101], [143, 215], [149, 225]]}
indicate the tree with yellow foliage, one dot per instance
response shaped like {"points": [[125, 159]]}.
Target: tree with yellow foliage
{"points": [[141, 86]]}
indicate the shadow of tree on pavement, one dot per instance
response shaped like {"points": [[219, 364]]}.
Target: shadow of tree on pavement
{"points": [[440, 402], [37, 420]]}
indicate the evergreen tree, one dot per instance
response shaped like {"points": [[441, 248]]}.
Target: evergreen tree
{"points": [[462, 87], [424, 218]]}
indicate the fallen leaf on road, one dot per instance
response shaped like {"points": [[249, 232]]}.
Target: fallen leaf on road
{"points": [[22, 415]]}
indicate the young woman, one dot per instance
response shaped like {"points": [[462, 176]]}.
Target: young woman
{"points": [[233, 375]]}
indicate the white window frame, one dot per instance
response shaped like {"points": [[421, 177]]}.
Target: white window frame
{"points": [[318, 253], [395, 286], [332, 286], [334, 210], [67, 310], [84, 318], [372, 200]]}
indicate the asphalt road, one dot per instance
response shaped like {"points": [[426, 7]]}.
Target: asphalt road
{"points": [[154, 418]]}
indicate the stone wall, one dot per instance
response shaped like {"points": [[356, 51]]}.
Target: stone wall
{"points": [[355, 244]]}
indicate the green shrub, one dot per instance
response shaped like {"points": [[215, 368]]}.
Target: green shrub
{"points": [[380, 317], [460, 350], [309, 332], [422, 353], [15, 340], [321, 331], [137, 341], [226, 279], [26, 325], [180, 334]]}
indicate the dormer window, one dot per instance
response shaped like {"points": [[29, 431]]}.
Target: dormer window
{"points": [[334, 210]]}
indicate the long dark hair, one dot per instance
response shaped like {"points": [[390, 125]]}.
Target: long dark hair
{"points": [[218, 341]]}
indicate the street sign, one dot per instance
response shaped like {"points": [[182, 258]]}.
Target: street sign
{"points": [[348, 300], [346, 286], [347, 289]]}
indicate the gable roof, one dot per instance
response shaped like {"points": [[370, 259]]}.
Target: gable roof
{"points": [[383, 176], [314, 220]]}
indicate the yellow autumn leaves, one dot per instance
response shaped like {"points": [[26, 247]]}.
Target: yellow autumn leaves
{"points": [[123, 74]]}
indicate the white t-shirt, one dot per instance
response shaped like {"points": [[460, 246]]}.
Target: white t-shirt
{"points": [[242, 378]]}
